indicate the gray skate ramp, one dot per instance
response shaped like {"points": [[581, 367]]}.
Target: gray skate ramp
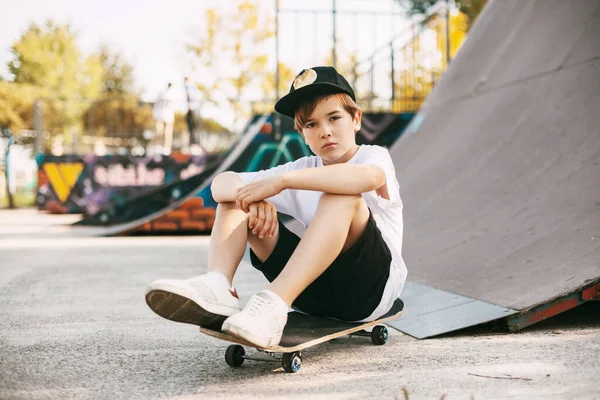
{"points": [[500, 171]]}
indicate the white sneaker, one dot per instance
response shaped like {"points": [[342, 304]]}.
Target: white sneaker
{"points": [[205, 300], [261, 321]]}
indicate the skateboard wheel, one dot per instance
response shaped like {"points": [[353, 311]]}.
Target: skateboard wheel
{"points": [[234, 355], [291, 362], [379, 335]]}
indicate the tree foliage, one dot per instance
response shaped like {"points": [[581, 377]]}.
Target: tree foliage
{"points": [[459, 26], [16, 106], [471, 8], [118, 115], [126, 116], [117, 111], [79, 93], [232, 50], [48, 58], [424, 60], [117, 73]]}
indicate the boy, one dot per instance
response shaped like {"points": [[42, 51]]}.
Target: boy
{"points": [[348, 264]]}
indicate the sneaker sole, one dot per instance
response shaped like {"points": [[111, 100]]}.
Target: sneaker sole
{"points": [[181, 309]]}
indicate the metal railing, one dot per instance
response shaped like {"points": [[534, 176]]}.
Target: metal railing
{"points": [[402, 73]]}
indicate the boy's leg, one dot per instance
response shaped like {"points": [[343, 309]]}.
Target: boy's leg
{"points": [[264, 247], [207, 299], [168, 136], [159, 130], [227, 240], [339, 222]]}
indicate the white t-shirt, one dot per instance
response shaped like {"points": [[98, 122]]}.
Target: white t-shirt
{"points": [[302, 205]]}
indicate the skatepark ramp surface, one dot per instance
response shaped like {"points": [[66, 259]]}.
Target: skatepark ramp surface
{"points": [[500, 173]]}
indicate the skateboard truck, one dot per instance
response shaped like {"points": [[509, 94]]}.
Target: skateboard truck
{"points": [[235, 355]]}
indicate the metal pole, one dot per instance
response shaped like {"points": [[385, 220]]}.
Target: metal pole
{"points": [[315, 38], [372, 73], [334, 36], [276, 50], [276, 117], [447, 33], [38, 146], [393, 76]]}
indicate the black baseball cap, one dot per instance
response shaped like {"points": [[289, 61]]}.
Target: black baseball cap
{"points": [[311, 82]]}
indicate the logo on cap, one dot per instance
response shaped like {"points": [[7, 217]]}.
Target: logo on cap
{"points": [[307, 77]]}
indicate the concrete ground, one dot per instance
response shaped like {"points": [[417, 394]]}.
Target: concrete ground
{"points": [[74, 324]]}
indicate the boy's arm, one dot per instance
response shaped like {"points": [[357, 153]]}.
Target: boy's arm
{"points": [[224, 187], [336, 179]]}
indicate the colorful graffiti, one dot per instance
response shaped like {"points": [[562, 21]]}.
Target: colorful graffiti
{"points": [[85, 184], [63, 177], [192, 215]]}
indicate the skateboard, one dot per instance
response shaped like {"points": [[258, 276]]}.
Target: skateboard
{"points": [[303, 331]]}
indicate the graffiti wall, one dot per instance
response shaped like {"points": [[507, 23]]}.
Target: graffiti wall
{"points": [[86, 183]]}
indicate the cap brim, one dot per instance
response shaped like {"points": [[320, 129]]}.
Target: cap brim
{"points": [[287, 104]]}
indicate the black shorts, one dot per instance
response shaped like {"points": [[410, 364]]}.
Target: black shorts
{"points": [[350, 288]]}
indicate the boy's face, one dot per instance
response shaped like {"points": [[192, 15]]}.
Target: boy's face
{"points": [[330, 131]]}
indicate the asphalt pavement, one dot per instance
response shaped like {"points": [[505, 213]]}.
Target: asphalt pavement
{"points": [[74, 324]]}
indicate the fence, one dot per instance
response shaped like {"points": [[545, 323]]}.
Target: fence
{"points": [[399, 76]]}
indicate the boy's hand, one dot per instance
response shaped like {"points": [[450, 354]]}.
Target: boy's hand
{"points": [[263, 219], [257, 191]]}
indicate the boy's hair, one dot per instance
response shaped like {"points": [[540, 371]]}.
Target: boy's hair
{"points": [[306, 108]]}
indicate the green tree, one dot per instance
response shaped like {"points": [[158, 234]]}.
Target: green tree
{"points": [[232, 49], [126, 116], [117, 75], [118, 111], [267, 86], [118, 115], [16, 106], [47, 57]]}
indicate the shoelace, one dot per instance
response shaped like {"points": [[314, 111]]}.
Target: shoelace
{"points": [[259, 306]]}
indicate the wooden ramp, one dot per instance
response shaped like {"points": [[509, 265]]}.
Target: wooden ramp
{"points": [[500, 173]]}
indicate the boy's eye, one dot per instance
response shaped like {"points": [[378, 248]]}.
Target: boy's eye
{"points": [[335, 117], [310, 125]]}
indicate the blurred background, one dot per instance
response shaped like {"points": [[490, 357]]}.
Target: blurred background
{"points": [[102, 102]]}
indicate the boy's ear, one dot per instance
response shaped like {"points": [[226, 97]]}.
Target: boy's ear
{"points": [[357, 119]]}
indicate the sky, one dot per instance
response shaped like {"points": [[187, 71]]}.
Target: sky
{"points": [[151, 34]]}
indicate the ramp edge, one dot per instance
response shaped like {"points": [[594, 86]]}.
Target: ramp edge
{"points": [[542, 312]]}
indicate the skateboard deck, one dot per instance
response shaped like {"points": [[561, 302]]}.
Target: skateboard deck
{"points": [[303, 331]]}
